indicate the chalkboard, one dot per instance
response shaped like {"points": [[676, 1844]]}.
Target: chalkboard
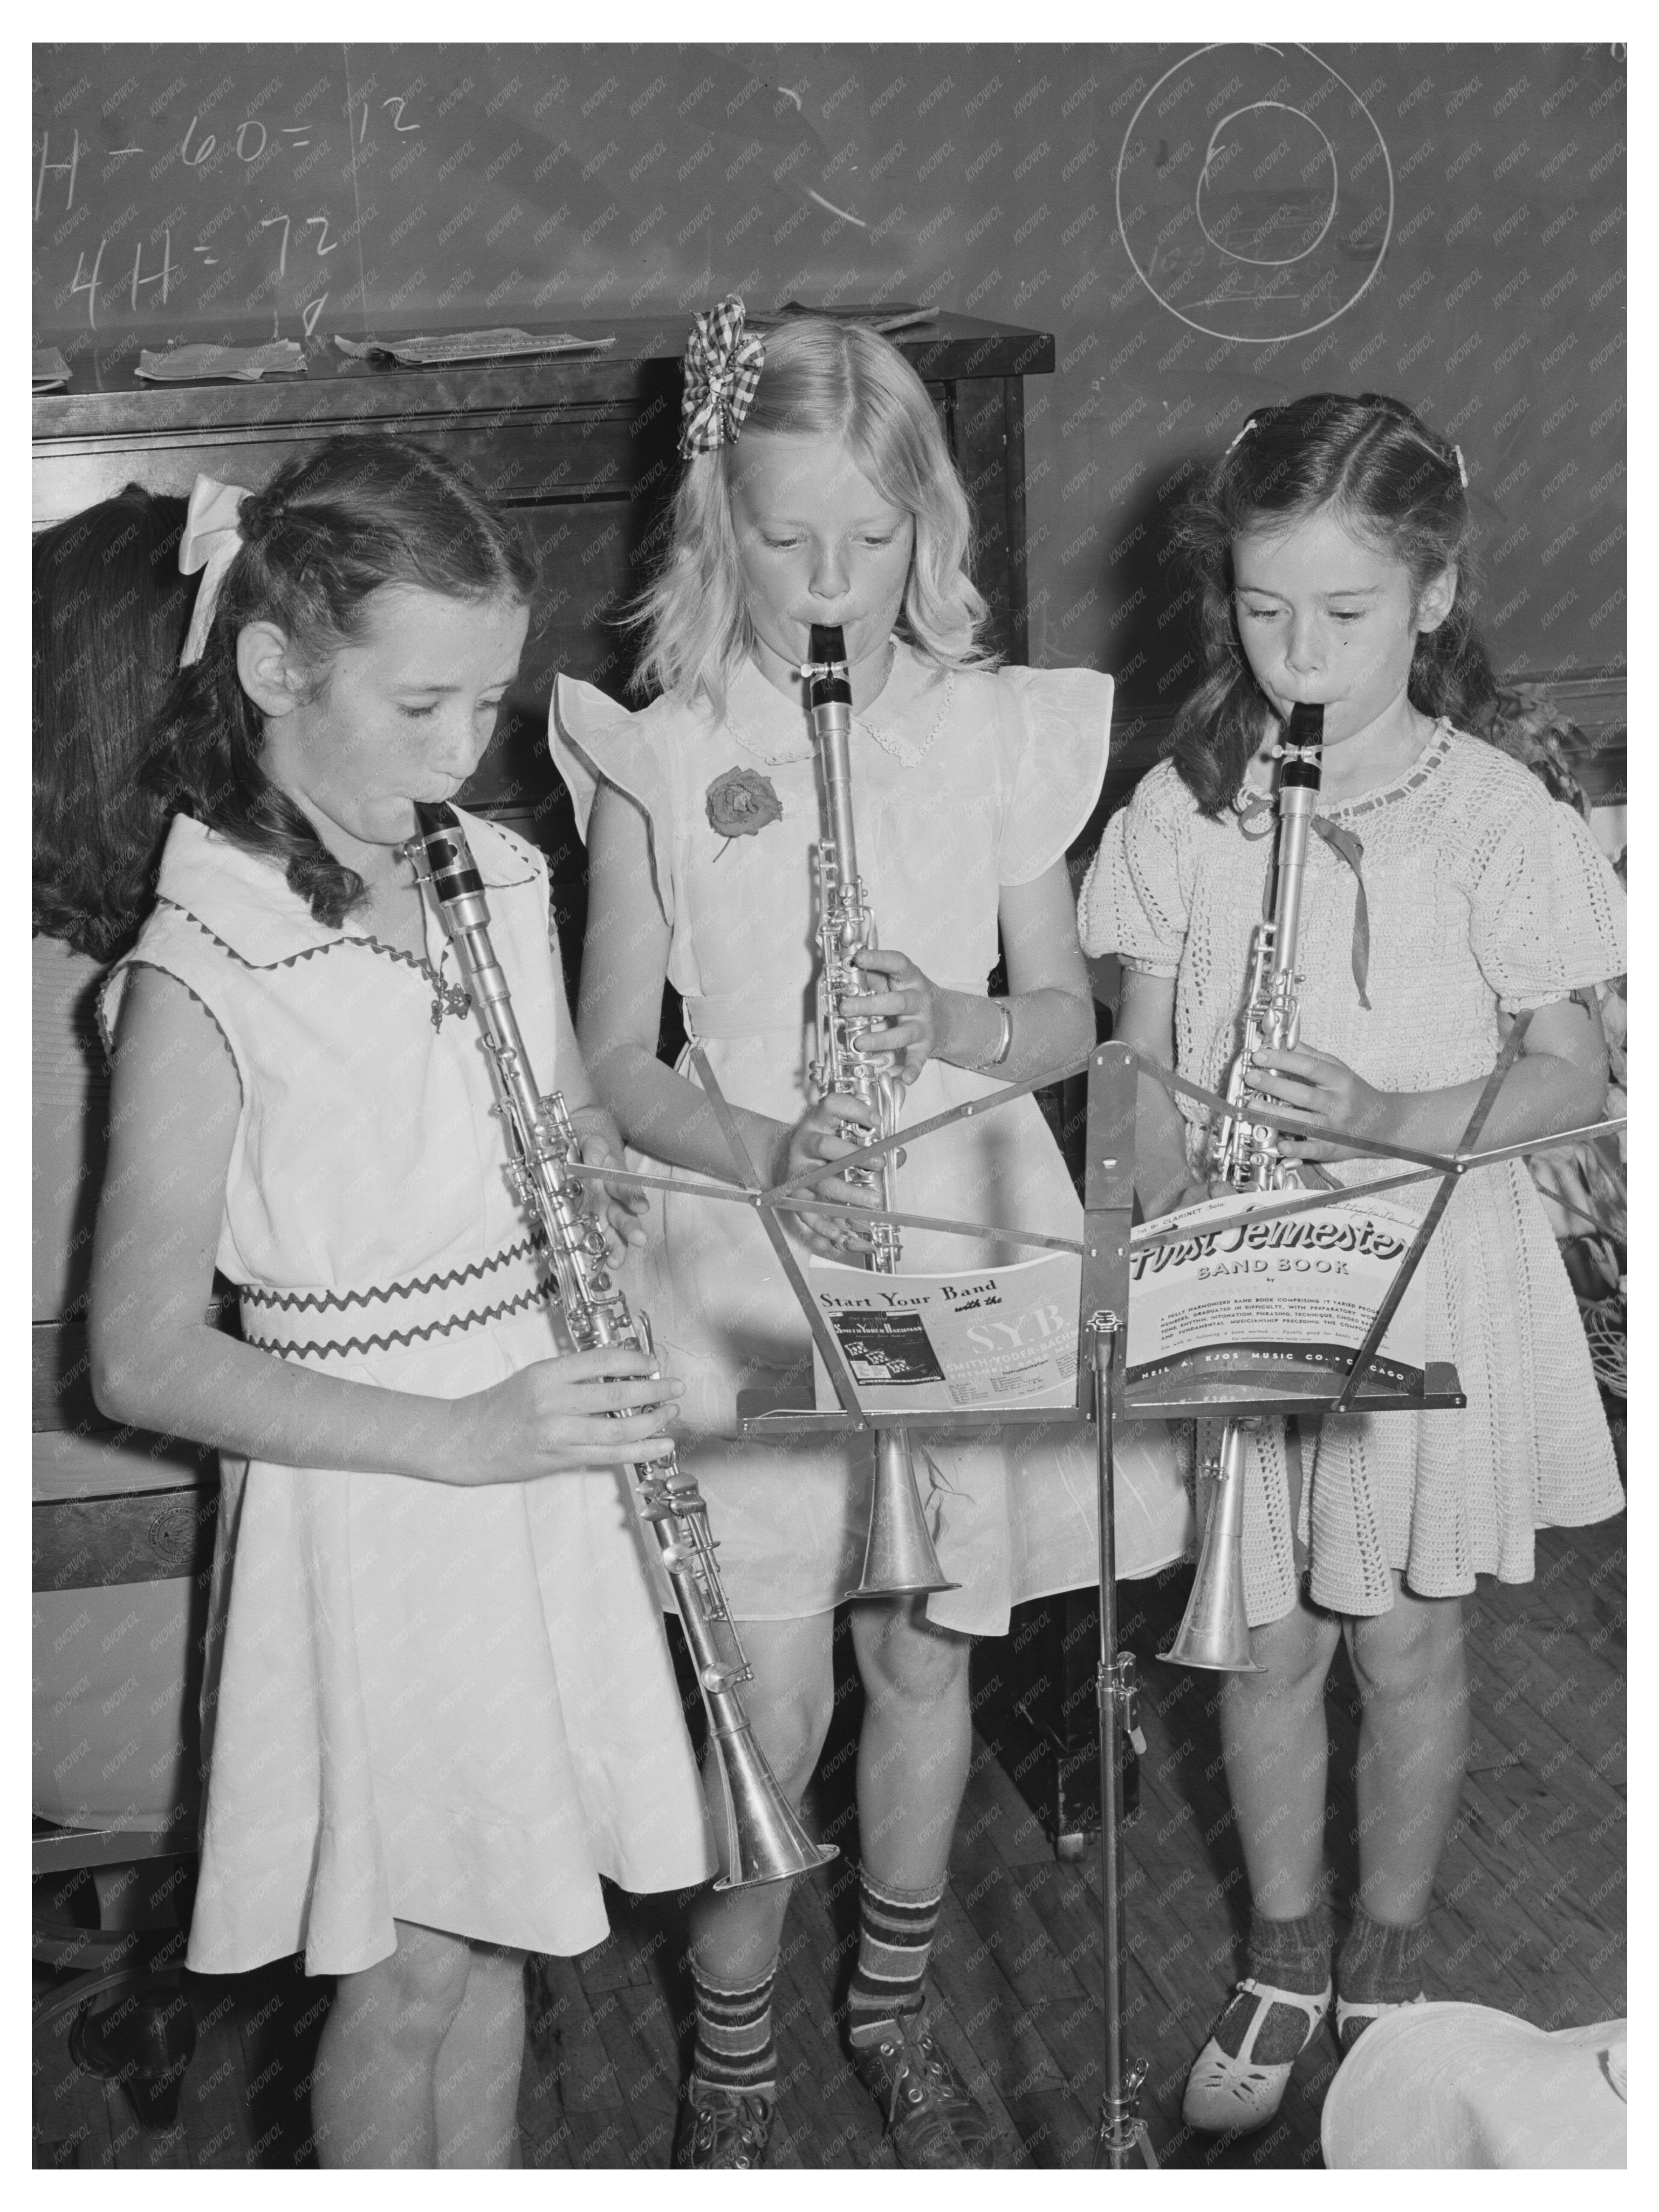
{"points": [[1202, 228]]}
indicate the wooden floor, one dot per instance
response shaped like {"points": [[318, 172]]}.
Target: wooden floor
{"points": [[1529, 1916]]}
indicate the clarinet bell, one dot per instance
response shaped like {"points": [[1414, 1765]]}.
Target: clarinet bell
{"points": [[765, 1841], [1214, 1634], [899, 1558]]}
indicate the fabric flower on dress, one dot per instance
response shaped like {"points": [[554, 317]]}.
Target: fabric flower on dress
{"points": [[740, 804], [723, 364]]}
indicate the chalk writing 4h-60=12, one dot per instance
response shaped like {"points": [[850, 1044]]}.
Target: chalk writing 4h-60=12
{"points": [[254, 142]]}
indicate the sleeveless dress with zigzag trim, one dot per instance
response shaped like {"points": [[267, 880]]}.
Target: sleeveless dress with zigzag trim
{"points": [[450, 1706]]}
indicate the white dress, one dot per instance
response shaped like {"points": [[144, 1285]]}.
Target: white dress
{"points": [[962, 785], [1484, 896], [447, 1705]]}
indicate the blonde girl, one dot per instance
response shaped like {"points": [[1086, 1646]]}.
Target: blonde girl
{"points": [[818, 488]]}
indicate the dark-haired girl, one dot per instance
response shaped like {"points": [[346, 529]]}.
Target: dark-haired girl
{"points": [[110, 613], [440, 1703], [1445, 893]]}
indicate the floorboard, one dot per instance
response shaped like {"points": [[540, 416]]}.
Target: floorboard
{"points": [[1529, 1916]]}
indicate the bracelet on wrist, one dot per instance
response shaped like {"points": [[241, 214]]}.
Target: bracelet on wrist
{"points": [[996, 1058]]}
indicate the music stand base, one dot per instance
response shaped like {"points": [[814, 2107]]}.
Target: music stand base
{"points": [[1122, 2145]]}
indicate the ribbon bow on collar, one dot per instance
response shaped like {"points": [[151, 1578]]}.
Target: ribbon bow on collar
{"points": [[723, 364], [212, 541], [1347, 846]]}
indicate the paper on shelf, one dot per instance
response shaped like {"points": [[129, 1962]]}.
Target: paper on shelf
{"points": [[190, 364], [455, 346]]}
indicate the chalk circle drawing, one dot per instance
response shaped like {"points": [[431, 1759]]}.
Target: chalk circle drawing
{"points": [[1255, 193]]}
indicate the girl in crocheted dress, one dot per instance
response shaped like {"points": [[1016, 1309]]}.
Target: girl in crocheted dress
{"points": [[440, 1701], [1445, 893], [818, 488]]}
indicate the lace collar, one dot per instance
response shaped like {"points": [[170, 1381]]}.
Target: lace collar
{"points": [[242, 897], [1253, 799], [904, 719]]}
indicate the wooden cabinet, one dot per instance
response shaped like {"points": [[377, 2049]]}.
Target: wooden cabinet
{"points": [[579, 448]]}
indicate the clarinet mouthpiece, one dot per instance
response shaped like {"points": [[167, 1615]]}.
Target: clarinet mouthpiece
{"points": [[449, 857], [829, 647], [1306, 727], [1304, 736]]}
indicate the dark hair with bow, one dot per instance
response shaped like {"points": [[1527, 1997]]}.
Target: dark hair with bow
{"points": [[111, 611], [1395, 483], [330, 530]]}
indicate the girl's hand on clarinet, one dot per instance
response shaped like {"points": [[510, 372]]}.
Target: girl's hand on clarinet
{"points": [[601, 1408], [601, 1146], [1321, 1092], [816, 1141], [910, 1004]]}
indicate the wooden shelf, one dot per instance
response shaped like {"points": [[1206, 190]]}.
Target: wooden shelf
{"points": [[103, 398]]}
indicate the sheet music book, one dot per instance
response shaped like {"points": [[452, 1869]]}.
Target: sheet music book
{"points": [[977, 1340], [1288, 1301]]}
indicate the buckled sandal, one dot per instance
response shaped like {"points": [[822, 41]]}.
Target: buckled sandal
{"points": [[931, 2120], [1358, 2017], [723, 2129], [1228, 2095]]}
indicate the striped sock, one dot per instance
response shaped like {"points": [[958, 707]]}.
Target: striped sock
{"points": [[735, 2047], [896, 1933]]}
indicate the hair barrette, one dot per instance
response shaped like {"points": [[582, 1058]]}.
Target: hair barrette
{"points": [[1463, 472], [212, 540], [723, 364], [1242, 432]]}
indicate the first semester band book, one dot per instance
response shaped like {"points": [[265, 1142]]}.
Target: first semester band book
{"points": [[1283, 1303]]}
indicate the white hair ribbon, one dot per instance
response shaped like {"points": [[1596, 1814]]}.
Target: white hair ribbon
{"points": [[212, 541]]}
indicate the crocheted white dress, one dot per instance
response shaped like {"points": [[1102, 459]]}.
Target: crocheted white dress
{"points": [[447, 1705], [961, 784], [1484, 894]]}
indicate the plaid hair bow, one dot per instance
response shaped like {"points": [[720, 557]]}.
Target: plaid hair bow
{"points": [[723, 366]]}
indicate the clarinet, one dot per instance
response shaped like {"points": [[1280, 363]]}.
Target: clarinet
{"points": [[1245, 1154], [1242, 1153], [899, 1555], [767, 1842]]}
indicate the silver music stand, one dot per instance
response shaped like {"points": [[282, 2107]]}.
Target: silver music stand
{"points": [[1104, 1396]]}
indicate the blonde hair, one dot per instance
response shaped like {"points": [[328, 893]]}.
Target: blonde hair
{"points": [[821, 378]]}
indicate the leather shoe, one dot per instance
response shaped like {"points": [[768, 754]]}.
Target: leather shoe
{"points": [[721, 2127], [931, 2120]]}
